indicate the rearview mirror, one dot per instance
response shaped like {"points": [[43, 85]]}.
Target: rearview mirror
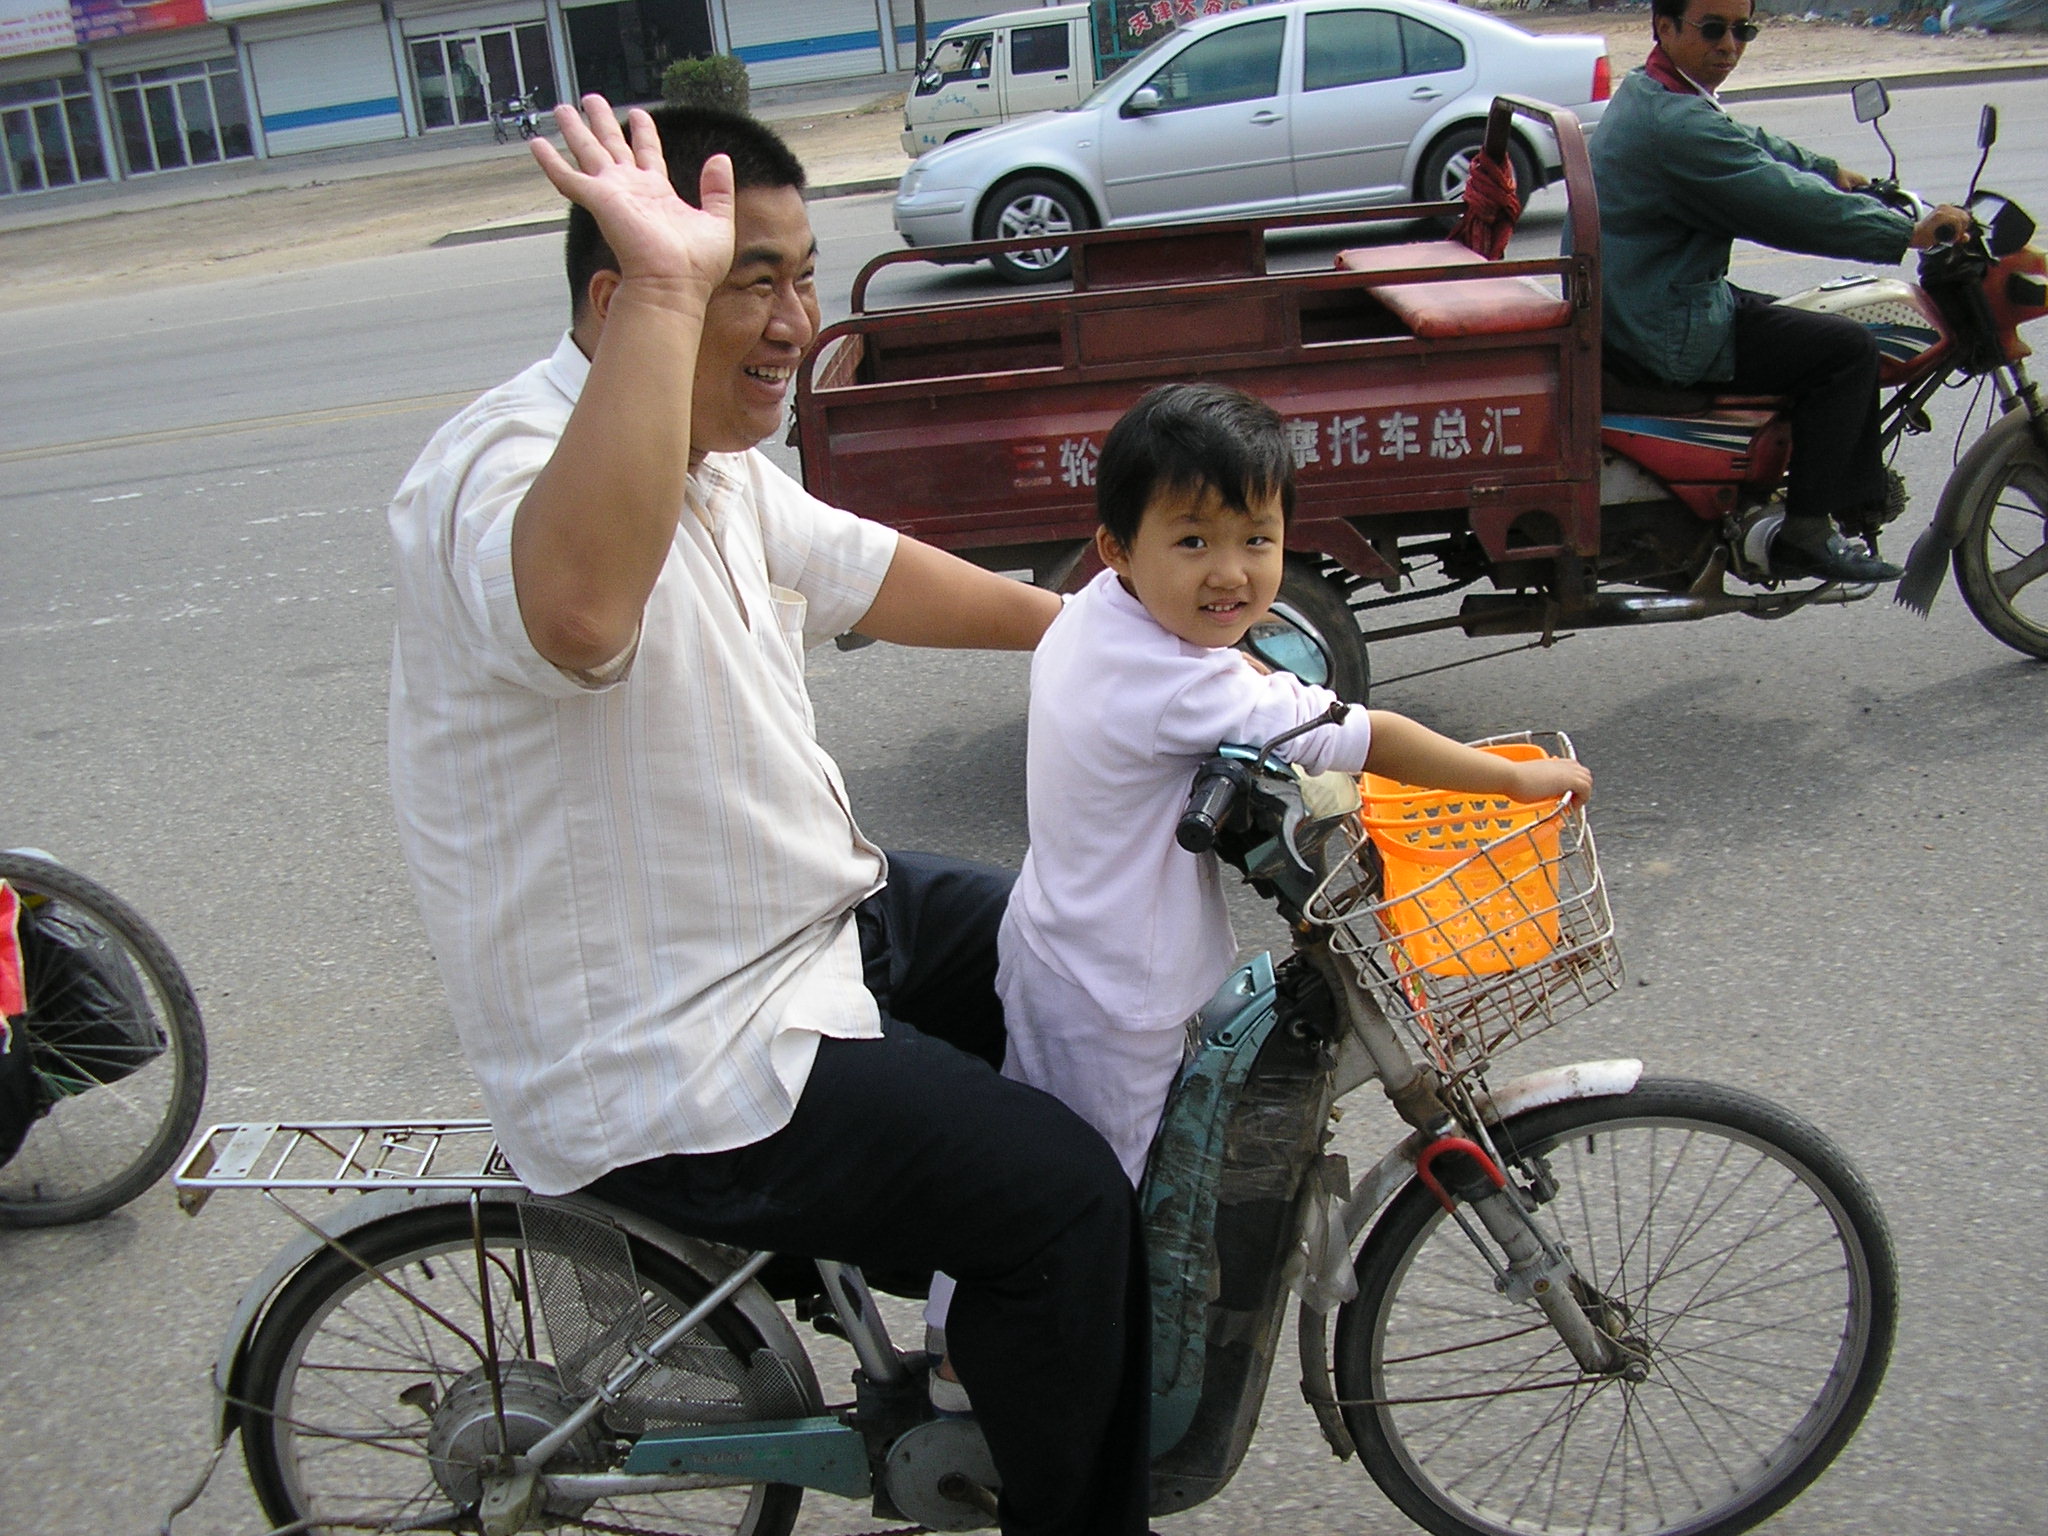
{"points": [[1144, 101], [1987, 126], [1871, 99]]}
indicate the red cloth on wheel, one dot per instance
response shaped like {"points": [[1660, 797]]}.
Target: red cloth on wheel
{"points": [[1491, 207], [13, 985]]}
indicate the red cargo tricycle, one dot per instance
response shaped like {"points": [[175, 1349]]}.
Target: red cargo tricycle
{"points": [[1452, 430]]}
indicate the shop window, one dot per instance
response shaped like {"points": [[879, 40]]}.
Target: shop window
{"points": [[622, 50], [180, 115], [462, 77], [49, 135]]}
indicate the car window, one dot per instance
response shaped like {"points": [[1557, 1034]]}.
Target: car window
{"points": [[1429, 50], [1236, 64], [1349, 48], [956, 58], [1035, 50]]}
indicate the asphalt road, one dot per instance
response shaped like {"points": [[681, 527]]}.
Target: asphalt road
{"points": [[1821, 837]]}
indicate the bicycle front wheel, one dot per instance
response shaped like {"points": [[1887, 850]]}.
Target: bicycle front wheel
{"points": [[1728, 1243], [372, 1390], [118, 1051]]}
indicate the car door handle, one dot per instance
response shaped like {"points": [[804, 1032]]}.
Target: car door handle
{"points": [[1424, 93], [1265, 118]]}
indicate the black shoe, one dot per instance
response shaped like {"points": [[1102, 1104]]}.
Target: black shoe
{"points": [[1800, 551]]}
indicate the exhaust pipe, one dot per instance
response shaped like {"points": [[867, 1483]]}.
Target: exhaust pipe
{"points": [[1509, 613]]}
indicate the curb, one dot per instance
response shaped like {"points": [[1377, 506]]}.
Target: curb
{"points": [[556, 223], [1961, 74]]}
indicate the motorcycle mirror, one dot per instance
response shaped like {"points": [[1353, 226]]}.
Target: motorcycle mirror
{"points": [[1872, 101], [1987, 135]]}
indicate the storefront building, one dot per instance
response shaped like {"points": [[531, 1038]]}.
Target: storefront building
{"points": [[99, 90]]}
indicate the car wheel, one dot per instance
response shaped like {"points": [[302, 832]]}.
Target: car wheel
{"points": [[1449, 162], [1033, 205]]}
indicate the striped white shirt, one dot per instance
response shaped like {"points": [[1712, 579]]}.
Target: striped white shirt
{"points": [[639, 887]]}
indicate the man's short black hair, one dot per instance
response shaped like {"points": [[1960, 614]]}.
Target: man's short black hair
{"points": [[1674, 11], [1189, 438], [689, 137]]}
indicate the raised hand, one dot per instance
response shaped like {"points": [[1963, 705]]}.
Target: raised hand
{"points": [[623, 182]]}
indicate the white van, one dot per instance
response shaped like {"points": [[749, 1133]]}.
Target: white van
{"points": [[980, 73]]}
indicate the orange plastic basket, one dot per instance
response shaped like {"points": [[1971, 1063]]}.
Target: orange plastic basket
{"points": [[1469, 881]]}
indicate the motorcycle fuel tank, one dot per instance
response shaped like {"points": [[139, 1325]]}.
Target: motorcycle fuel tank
{"points": [[1909, 329]]}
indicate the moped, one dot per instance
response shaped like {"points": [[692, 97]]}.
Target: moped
{"points": [[1582, 1299]]}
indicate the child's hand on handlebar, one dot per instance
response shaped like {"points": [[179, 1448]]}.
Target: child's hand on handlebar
{"points": [[1548, 777]]}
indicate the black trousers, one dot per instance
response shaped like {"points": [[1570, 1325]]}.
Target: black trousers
{"points": [[1828, 365], [911, 1152]]}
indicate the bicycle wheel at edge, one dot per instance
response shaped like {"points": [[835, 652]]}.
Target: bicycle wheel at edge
{"points": [[1744, 1251], [350, 1375], [101, 1145]]}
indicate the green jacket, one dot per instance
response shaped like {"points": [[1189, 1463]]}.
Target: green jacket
{"points": [[1679, 181]]}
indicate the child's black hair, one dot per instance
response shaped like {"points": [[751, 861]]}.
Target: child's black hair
{"points": [[689, 136], [1189, 438]]}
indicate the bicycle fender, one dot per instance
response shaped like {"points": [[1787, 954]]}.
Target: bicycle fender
{"points": [[1554, 1085], [708, 1259], [1928, 562]]}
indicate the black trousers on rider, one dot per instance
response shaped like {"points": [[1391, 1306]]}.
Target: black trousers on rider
{"points": [[1828, 365], [911, 1153]]}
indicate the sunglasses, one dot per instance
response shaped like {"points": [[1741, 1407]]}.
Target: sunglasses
{"points": [[1713, 29]]}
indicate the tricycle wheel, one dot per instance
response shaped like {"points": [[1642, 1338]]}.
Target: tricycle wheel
{"points": [[1312, 632], [1033, 205], [2004, 550]]}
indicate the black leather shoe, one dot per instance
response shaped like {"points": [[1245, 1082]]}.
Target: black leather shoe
{"points": [[1797, 552]]}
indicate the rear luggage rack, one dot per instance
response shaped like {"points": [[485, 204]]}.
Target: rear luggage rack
{"points": [[337, 1155]]}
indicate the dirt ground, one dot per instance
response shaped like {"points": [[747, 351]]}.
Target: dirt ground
{"points": [[328, 218]]}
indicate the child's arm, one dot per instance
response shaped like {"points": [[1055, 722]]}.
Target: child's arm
{"points": [[1414, 754]]}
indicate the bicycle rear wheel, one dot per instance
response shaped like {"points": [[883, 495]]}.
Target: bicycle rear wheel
{"points": [[120, 1068], [366, 1399], [1731, 1244]]}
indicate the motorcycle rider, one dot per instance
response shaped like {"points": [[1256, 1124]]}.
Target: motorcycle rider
{"points": [[1679, 182]]}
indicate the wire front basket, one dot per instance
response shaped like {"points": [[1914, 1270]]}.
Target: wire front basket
{"points": [[1475, 921]]}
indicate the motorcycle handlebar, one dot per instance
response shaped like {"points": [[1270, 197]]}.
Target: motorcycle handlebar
{"points": [[1209, 803]]}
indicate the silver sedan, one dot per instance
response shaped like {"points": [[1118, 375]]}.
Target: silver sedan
{"points": [[1302, 105]]}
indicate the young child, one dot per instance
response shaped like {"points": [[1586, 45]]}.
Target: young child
{"points": [[1115, 935]]}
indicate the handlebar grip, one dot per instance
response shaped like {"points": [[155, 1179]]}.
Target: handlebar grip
{"points": [[1495, 143], [1208, 804]]}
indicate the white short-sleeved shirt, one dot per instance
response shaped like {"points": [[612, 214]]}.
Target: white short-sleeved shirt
{"points": [[1122, 713], [639, 886]]}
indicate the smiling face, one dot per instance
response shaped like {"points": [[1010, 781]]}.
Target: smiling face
{"points": [[1204, 570], [1707, 63], [757, 324]]}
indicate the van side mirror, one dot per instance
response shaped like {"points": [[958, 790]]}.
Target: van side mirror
{"points": [[1987, 126], [1143, 103], [1871, 99]]}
